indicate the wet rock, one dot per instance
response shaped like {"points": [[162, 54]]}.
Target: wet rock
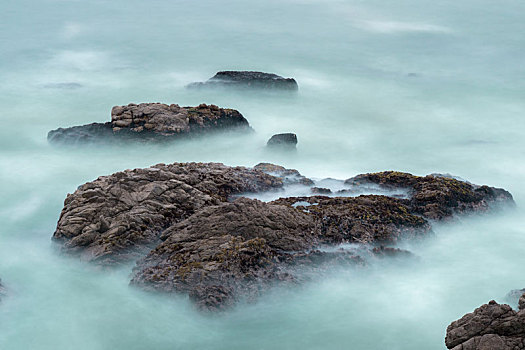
{"points": [[289, 176], [391, 252], [180, 221], [492, 326], [437, 197], [228, 251], [153, 122], [363, 219], [247, 79], [283, 141], [321, 190], [119, 217]]}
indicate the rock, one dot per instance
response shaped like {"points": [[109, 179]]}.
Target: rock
{"points": [[283, 141], [437, 197], [321, 190], [230, 250], [119, 217], [363, 219], [180, 223], [247, 79], [390, 252], [289, 176], [492, 326], [153, 122], [82, 134]]}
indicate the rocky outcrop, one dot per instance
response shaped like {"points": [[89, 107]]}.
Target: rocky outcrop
{"points": [[153, 122], [247, 79], [120, 217], [288, 176], [492, 326], [283, 141], [228, 250], [189, 235], [363, 219], [437, 197]]}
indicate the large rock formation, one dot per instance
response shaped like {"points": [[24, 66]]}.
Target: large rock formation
{"points": [[247, 79], [153, 122], [219, 251], [492, 326]]}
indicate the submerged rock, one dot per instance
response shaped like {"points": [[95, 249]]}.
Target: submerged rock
{"points": [[247, 79], [492, 326], [153, 122], [3, 291], [180, 222], [289, 176]]}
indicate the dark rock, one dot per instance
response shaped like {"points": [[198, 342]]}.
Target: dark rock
{"points": [[321, 190], [289, 176], [82, 134], [120, 217], [492, 326], [218, 251], [437, 197], [391, 252], [227, 251], [153, 122], [287, 140], [247, 79], [363, 219]]}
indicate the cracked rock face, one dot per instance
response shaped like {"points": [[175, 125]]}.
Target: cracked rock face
{"points": [[247, 79], [153, 122], [120, 217], [189, 236], [492, 326]]}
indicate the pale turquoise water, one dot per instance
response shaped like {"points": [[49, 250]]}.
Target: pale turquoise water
{"points": [[418, 86]]}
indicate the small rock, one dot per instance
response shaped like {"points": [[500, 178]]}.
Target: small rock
{"points": [[286, 140], [247, 79], [321, 190]]}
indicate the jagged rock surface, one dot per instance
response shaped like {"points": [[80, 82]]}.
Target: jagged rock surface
{"points": [[218, 251], [492, 326], [227, 250], [363, 219], [116, 217], [153, 122], [247, 79], [437, 197], [289, 176]]}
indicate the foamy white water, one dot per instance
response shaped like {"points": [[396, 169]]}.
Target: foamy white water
{"points": [[417, 86]]}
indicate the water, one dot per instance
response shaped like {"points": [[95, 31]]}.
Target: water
{"points": [[416, 86]]}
